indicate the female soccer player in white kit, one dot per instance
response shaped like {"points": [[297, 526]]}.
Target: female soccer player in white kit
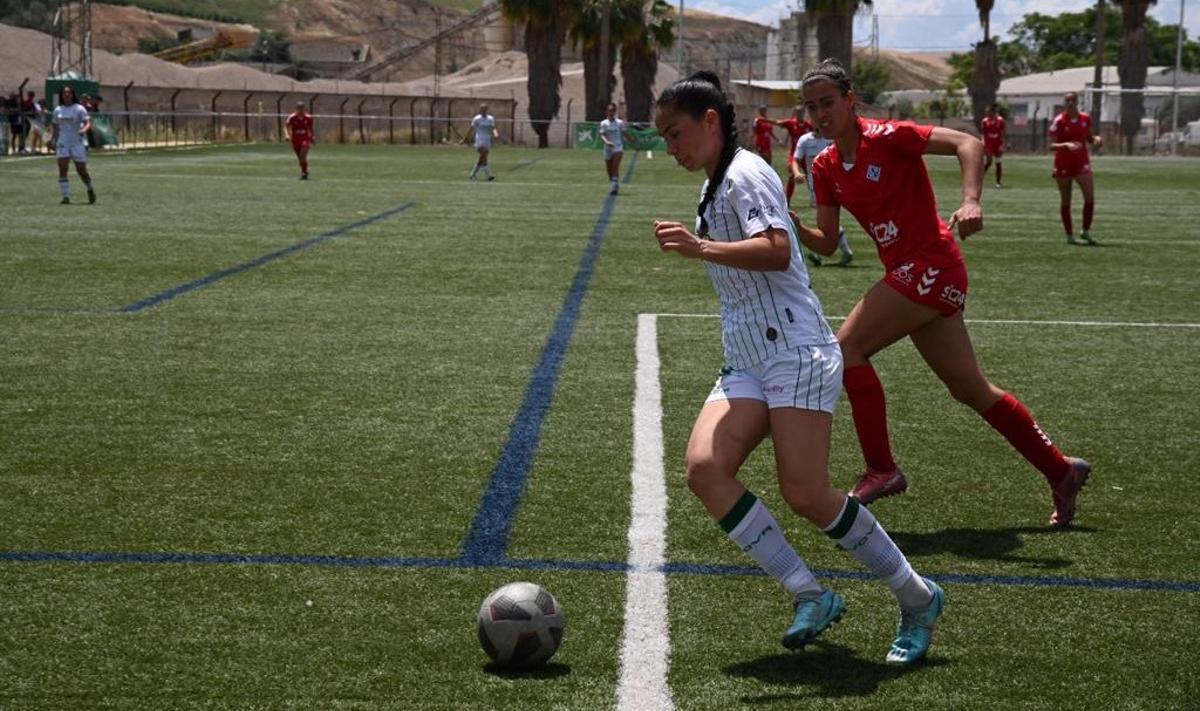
{"points": [[612, 134], [484, 125], [782, 375], [70, 124]]}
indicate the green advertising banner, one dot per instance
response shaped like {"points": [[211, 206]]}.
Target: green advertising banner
{"points": [[587, 135]]}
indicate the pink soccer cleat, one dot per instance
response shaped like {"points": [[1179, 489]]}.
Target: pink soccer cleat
{"points": [[1067, 490], [874, 484]]}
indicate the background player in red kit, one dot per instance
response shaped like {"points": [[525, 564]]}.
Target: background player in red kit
{"points": [[1070, 133], [875, 170], [995, 135], [796, 127], [300, 132], [764, 134]]}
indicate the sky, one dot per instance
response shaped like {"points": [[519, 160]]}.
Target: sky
{"points": [[937, 25]]}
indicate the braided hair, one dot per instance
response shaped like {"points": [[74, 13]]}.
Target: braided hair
{"points": [[694, 96]]}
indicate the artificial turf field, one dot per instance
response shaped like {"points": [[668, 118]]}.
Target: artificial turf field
{"points": [[268, 444]]}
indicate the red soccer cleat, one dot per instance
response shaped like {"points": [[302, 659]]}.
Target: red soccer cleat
{"points": [[875, 484], [1067, 490]]}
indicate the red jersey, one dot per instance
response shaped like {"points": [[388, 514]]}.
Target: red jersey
{"points": [[301, 127], [993, 129], [1063, 129], [763, 131], [888, 191], [795, 128]]}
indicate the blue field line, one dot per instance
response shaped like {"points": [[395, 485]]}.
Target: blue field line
{"points": [[629, 170], [204, 281], [554, 565], [487, 539]]}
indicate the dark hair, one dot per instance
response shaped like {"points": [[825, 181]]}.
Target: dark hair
{"points": [[694, 96], [62, 90], [829, 70]]}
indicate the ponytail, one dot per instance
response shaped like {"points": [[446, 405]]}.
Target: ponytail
{"points": [[694, 96]]}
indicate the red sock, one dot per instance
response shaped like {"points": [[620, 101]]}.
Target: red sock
{"points": [[869, 407], [303, 166], [1064, 211], [1088, 209], [999, 173], [1010, 418]]}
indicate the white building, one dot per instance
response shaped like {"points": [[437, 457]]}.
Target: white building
{"points": [[1040, 96], [792, 48]]}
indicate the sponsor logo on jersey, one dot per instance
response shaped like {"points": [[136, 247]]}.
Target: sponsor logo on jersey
{"points": [[873, 173], [754, 213], [904, 273], [885, 233], [954, 295]]}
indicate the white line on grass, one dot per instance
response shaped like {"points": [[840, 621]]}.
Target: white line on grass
{"points": [[1010, 321], [645, 642]]}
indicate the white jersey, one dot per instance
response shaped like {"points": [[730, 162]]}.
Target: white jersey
{"points": [[808, 148], [762, 313], [70, 119], [483, 124], [614, 131]]}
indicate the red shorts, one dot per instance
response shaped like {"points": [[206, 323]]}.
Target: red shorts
{"points": [[302, 144], [763, 148], [940, 288], [993, 149], [1068, 166]]}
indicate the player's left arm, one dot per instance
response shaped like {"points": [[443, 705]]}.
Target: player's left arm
{"points": [[948, 142]]}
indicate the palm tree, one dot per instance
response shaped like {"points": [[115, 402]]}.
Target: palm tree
{"points": [[639, 56], [985, 74], [1131, 66], [546, 24], [835, 27], [599, 59]]}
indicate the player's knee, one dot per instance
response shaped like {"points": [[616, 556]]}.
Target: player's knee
{"points": [[807, 497], [703, 470], [975, 394]]}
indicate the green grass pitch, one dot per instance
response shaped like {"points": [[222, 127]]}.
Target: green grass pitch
{"points": [[337, 409]]}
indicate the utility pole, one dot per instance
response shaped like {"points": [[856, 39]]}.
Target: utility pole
{"points": [[1098, 74], [602, 82], [1175, 83]]}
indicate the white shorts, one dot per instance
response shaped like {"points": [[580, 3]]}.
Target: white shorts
{"points": [[483, 145], [806, 378], [75, 151], [610, 151]]}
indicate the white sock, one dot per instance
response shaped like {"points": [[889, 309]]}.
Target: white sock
{"points": [[487, 170], [475, 169], [843, 243], [752, 527], [856, 530], [64, 187]]}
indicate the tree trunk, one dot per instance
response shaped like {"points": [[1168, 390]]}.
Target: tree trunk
{"points": [[543, 47], [835, 33], [1131, 65], [638, 69], [985, 79], [597, 89]]}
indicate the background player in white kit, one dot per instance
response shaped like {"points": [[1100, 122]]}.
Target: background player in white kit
{"points": [[612, 133], [782, 375], [484, 125], [70, 124], [808, 147]]}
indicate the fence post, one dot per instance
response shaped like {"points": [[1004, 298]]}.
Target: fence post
{"points": [[567, 142], [362, 134], [412, 121], [432, 126], [214, 114], [246, 115], [125, 95], [512, 129], [392, 120], [279, 118], [342, 120]]}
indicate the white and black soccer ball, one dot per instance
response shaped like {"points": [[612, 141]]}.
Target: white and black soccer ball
{"points": [[520, 625]]}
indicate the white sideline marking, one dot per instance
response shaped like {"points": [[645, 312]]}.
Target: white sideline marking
{"points": [[1011, 321], [646, 642]]}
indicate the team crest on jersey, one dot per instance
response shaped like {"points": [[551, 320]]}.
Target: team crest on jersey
{"points": [[753, 214], [873, 173]]}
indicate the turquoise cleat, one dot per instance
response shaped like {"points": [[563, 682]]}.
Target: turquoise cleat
{"points": [[814, 615], [915, 633]]}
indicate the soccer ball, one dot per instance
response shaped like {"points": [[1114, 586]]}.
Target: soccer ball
{"points": [[520, 625]]}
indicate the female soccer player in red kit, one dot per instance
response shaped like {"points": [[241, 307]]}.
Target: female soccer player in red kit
{"points": [[764, 134], [875, 170], [300, 133], [1070, 133], [995, 134], [796, 127]]}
